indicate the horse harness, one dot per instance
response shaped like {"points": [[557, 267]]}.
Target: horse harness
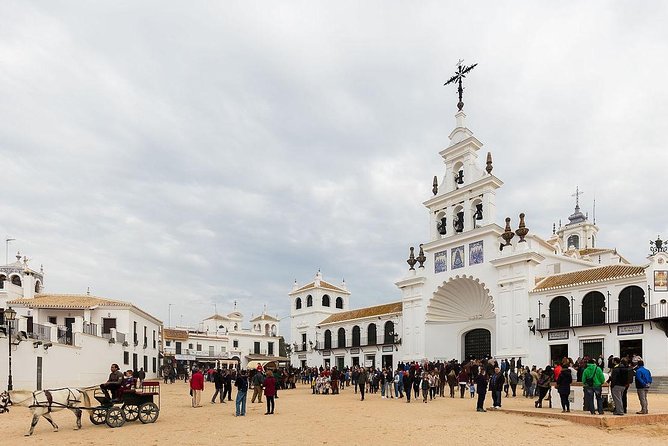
{"points": [[49, 399]]}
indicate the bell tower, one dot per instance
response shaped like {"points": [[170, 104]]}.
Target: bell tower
{"points": [[579, 232]]}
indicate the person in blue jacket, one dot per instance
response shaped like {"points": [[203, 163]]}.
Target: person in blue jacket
{"points": [[643, 381]]}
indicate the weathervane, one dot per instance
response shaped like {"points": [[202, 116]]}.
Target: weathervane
{"points": [[577, 194], [460, 74]]}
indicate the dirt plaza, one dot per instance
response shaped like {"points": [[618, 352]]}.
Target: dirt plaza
{"points": [[303, 418]]}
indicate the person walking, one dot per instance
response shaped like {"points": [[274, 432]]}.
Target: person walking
{"points": [[481, 389], [564, 387], [196, 387], [643, 381], [592, 381], [227, 385], [218, 382], [241, 383], [543, 386], [256, 383], [270, 391], [463, 379], [362, 379], [424, 384], [406, 378], [513, 379]]}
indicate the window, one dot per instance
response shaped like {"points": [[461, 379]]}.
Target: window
{"points": [[270, 348], [631, 301], [298, 303], [356, 336], [2, 281], [371, 334], [108, 324], [38, 287], [168, 343], [341, 338], [309, 301], [199, 347], [154, 340], [155, 365], [212, 350], [328, 339], [190, 346], [223, 349], [256, 348], [573, 242], [325, 300], [145, 336], [178, 348], [339, 303], [53, 320], [134, 331], [235, 344], [16, 280], [126, 358], [303, 341], [560, 313], [592, 308], [389, 332], [145, 363], [134, 362]]}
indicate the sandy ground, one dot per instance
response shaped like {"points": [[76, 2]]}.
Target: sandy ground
{"points": [[328, 419]]}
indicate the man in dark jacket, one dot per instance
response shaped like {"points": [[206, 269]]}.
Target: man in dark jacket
{"points": [[619, 381], [218, 382], [496, 382], [362, 378]]}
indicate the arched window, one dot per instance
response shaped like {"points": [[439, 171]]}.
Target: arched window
{"points": [[298, 303], [371, 334], [16, 280], [309, 301], [573, 242], [592, 308], [273, 330], [236, 327], [389, 332], [339, 303], [328, 339], [266, 329], [560, 312], [341, 335], [325, 300], [356, 336], [630, 304], [2, 281], [38, 287]]}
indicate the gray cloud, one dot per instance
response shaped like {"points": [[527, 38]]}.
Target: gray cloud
{"points": [[216, 152]]}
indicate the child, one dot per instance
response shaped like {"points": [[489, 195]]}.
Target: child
{"points": [[472, 389]]}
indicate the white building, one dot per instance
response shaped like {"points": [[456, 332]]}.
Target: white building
{"points": [[222, 341], [476, 288], [70, 340]]}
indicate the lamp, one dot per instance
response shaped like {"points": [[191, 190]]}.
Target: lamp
{"points": [[47, 345], [531, 325], [36, 344], [10, 316]]}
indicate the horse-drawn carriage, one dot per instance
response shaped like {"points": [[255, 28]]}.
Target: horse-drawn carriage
{"points": [[142, 403]]}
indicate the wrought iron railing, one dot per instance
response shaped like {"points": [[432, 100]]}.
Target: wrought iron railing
{"points": [[65, 336], [355, 341], [614, 316], [41, 332]]}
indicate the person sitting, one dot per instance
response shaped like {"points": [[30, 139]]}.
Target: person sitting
{"points": [[114, 382], [129, 382]]}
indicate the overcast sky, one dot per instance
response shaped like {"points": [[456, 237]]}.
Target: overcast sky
{"points": [[218, 151]]}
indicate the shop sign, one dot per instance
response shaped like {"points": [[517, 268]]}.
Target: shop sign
{"points": [[557, 335], [634, 329]]}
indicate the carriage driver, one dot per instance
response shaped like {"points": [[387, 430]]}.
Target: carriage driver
{"points": [[113, 383]]}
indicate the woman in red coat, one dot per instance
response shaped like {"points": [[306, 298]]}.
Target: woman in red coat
{"points": [[270, 391]]}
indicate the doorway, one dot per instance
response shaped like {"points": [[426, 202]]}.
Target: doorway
{"points": [[477, 344], [387, 361], [558, 352], [340, 362], [370, 361], [630, 348]]}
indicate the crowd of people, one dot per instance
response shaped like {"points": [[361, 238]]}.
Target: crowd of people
{"points": [[428, 380]]}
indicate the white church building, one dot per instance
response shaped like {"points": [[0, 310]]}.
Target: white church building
{"points": [[476, 288]]}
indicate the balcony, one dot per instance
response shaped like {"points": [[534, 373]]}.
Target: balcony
{"points": [[608, 317], [359, 342]]}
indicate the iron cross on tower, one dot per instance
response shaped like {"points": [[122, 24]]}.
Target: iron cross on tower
{"points": [[460, 74], [577, 194]]}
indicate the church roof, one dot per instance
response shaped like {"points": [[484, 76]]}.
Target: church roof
{"points": [[218, 317], [378, 310], [170, 333], [594, 251], [587, 276], [323, 284], [264, 317]]}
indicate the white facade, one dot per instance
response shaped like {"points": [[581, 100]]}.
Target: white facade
{"points": [[476, 288], [71, 340], [222, 341]]}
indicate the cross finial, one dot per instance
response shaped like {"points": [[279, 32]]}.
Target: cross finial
{"points": [[577, 196], [460, 74]]}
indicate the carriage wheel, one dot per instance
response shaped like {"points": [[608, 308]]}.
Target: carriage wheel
{"points": [[98, 416], [115, 417], [131, 412], [148, 413]]}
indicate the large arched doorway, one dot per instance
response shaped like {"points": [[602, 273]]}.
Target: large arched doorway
{"points": [[477, 344]]}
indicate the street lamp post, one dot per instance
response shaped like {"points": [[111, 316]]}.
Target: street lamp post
{"points": [[10, 316]]}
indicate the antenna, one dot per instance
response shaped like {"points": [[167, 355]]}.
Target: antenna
{"points": [[594, 210]]}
